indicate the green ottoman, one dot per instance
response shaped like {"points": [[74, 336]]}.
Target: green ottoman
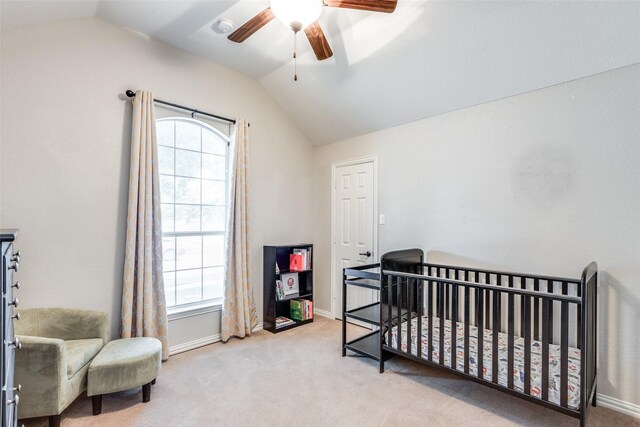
{"points": [[122, 365]]}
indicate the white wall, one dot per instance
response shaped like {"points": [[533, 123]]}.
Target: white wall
{"points": [[543, 182], [65, 156]]}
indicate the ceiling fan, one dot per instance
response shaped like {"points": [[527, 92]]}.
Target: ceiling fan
{"points": [[302, 15]]}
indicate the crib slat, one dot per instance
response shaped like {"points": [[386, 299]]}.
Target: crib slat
{"points": [[430, 317], [527, 345], [466, 324], [510, 334], [536, 311], [389, 305], [487, 302], [446, 294], [550, 289], [409, 310], [564, 352], [523, 285], [399, 311], [419, 303], [579, 319], [480, 346], [441, 312], [496, 330], [454, 325], [438, 292], [545, 348]]}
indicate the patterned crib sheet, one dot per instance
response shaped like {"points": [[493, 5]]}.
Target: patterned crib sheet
{"points": [[573, 392]]}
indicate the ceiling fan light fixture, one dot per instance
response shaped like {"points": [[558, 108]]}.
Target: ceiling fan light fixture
{"points": [[296, 14]]}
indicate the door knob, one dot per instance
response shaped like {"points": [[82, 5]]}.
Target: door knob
{"points": [[367, 254]]}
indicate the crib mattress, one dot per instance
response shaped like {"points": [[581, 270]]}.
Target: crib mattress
{"points": [[573, 392]]}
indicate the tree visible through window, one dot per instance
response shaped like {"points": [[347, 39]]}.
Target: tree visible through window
{"points": [[193, 185]]}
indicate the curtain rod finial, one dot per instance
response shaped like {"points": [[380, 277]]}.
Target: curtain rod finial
{"points": [[130, 93]]}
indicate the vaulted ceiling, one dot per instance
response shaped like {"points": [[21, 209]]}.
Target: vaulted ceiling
{"points": [[427, 58]]}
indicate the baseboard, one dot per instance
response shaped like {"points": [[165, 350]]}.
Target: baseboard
{"points": [[618, 405], [201, 342], [323, 313], [191, 345]]}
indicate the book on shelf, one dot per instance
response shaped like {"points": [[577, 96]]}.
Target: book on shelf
{"points": [[282, 321], [290, 284], [301, 309], [279, 290], [296, 262], [305, 254]]}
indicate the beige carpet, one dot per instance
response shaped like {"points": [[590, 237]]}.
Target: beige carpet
{"points": [[298, 378]]}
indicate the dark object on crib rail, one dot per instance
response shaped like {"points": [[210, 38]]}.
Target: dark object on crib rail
{"points": [[434, 313]]}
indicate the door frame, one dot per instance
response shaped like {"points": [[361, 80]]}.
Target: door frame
{"points": [[334, 166]]}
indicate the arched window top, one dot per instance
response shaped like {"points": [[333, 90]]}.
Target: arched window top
{"points": [[196, 122]]}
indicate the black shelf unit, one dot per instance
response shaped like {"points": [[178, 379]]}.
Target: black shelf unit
{"points": [[273, 307], [368, 345]]}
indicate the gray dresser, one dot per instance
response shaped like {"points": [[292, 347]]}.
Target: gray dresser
{"points": [[10, 266]]}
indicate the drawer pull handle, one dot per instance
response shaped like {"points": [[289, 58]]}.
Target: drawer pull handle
{"points": [[15, 266], [16, 316], [16, 285], [14, 303], [18, 389], [16, 256], [15, 343], [14, 401]]}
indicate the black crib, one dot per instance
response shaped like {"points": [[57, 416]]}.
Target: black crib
{"points": [[538, 331]]}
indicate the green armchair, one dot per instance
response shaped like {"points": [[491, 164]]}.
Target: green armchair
{"points": [[58, 344]]}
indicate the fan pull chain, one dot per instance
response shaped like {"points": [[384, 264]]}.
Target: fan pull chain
{"points": [[295, 57]]}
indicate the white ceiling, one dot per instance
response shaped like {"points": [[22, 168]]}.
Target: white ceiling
{"points": [[426, 58]]}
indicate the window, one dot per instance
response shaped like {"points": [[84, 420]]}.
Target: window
{"points": [[193, 160]]}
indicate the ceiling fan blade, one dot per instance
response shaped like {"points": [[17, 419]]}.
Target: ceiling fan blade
{"points": [[251, 26], [386, 6], [318, 41]]}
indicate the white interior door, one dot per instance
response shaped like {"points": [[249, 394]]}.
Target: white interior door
{"points": [[354, 233]]}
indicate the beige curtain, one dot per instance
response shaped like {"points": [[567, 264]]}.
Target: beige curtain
{"points": [[144, 310], [239, 314]]}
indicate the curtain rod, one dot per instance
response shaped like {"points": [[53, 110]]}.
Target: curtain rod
{"points": [[193, 111]]}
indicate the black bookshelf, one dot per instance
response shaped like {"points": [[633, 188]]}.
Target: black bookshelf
{"points": [[273, 307]]}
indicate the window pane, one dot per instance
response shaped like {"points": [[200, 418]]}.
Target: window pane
{"points": [[189, 284], [213, 251], [188, 252], [168, 253], [166, 211], [213, 192], [188, 163], [166, 189], [187, 135], [170, 288], [212, 285], [187, 190], [213, 218], [187, 218], [164, 132], [165, 160], [213, 167], [212, 143], [193, 191]]}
